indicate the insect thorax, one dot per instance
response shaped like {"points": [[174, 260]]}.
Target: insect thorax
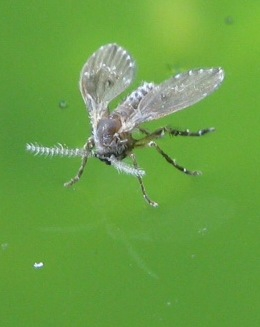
{"points": [[108, 142]]}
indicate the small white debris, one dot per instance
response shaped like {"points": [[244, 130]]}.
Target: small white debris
{"points": [[203, 231], [38, 265]]}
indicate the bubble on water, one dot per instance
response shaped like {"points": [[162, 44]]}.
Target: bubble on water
{"points": [[229, 20], [63, 104], [4, 246]]}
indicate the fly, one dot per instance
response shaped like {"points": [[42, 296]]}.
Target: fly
{"points": [[107, 74]]}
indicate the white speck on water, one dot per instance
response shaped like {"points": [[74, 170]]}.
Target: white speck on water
{"points": [[38, 265], [203, 231]]}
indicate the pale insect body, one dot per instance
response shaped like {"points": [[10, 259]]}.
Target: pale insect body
{"points": [[107, 74]]}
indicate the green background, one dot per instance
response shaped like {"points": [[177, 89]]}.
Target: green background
{"points": [[110, 259]]}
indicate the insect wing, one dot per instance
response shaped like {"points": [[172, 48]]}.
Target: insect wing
{"points": [[107, 73], [175, 94]]}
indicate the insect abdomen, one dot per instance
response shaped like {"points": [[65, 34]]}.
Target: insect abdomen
{"points": [[136, 96]]}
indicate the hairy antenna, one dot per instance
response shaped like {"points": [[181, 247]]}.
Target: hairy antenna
{"points": [[125, 168], [58, 150]]}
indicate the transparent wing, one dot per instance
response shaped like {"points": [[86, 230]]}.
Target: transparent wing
{"points": [[107, 73], [173, 95]]}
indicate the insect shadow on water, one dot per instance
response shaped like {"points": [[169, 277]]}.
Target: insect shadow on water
{"points": [[119, 235], [114, 233], [107, 74]]}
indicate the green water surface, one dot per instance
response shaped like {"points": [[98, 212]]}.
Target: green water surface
{"points": [[108, 258]]}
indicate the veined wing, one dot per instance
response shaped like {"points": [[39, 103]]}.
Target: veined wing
{"points": [[107, 73], [173, 95]]}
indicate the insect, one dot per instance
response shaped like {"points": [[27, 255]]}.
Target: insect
{"points": [[106, 74]]}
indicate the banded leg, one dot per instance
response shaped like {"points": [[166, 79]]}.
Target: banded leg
{"points": [[146, 197], [172, 132], [173, 162], [79, 174], [87, 148], [187, 132]]}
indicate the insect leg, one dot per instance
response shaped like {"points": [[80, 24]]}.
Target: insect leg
{"points": [[201, 132], [144, 131], [173, 162], [87, 148], [146, 197], [79, 174], [149, 136], [167, 130]]}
